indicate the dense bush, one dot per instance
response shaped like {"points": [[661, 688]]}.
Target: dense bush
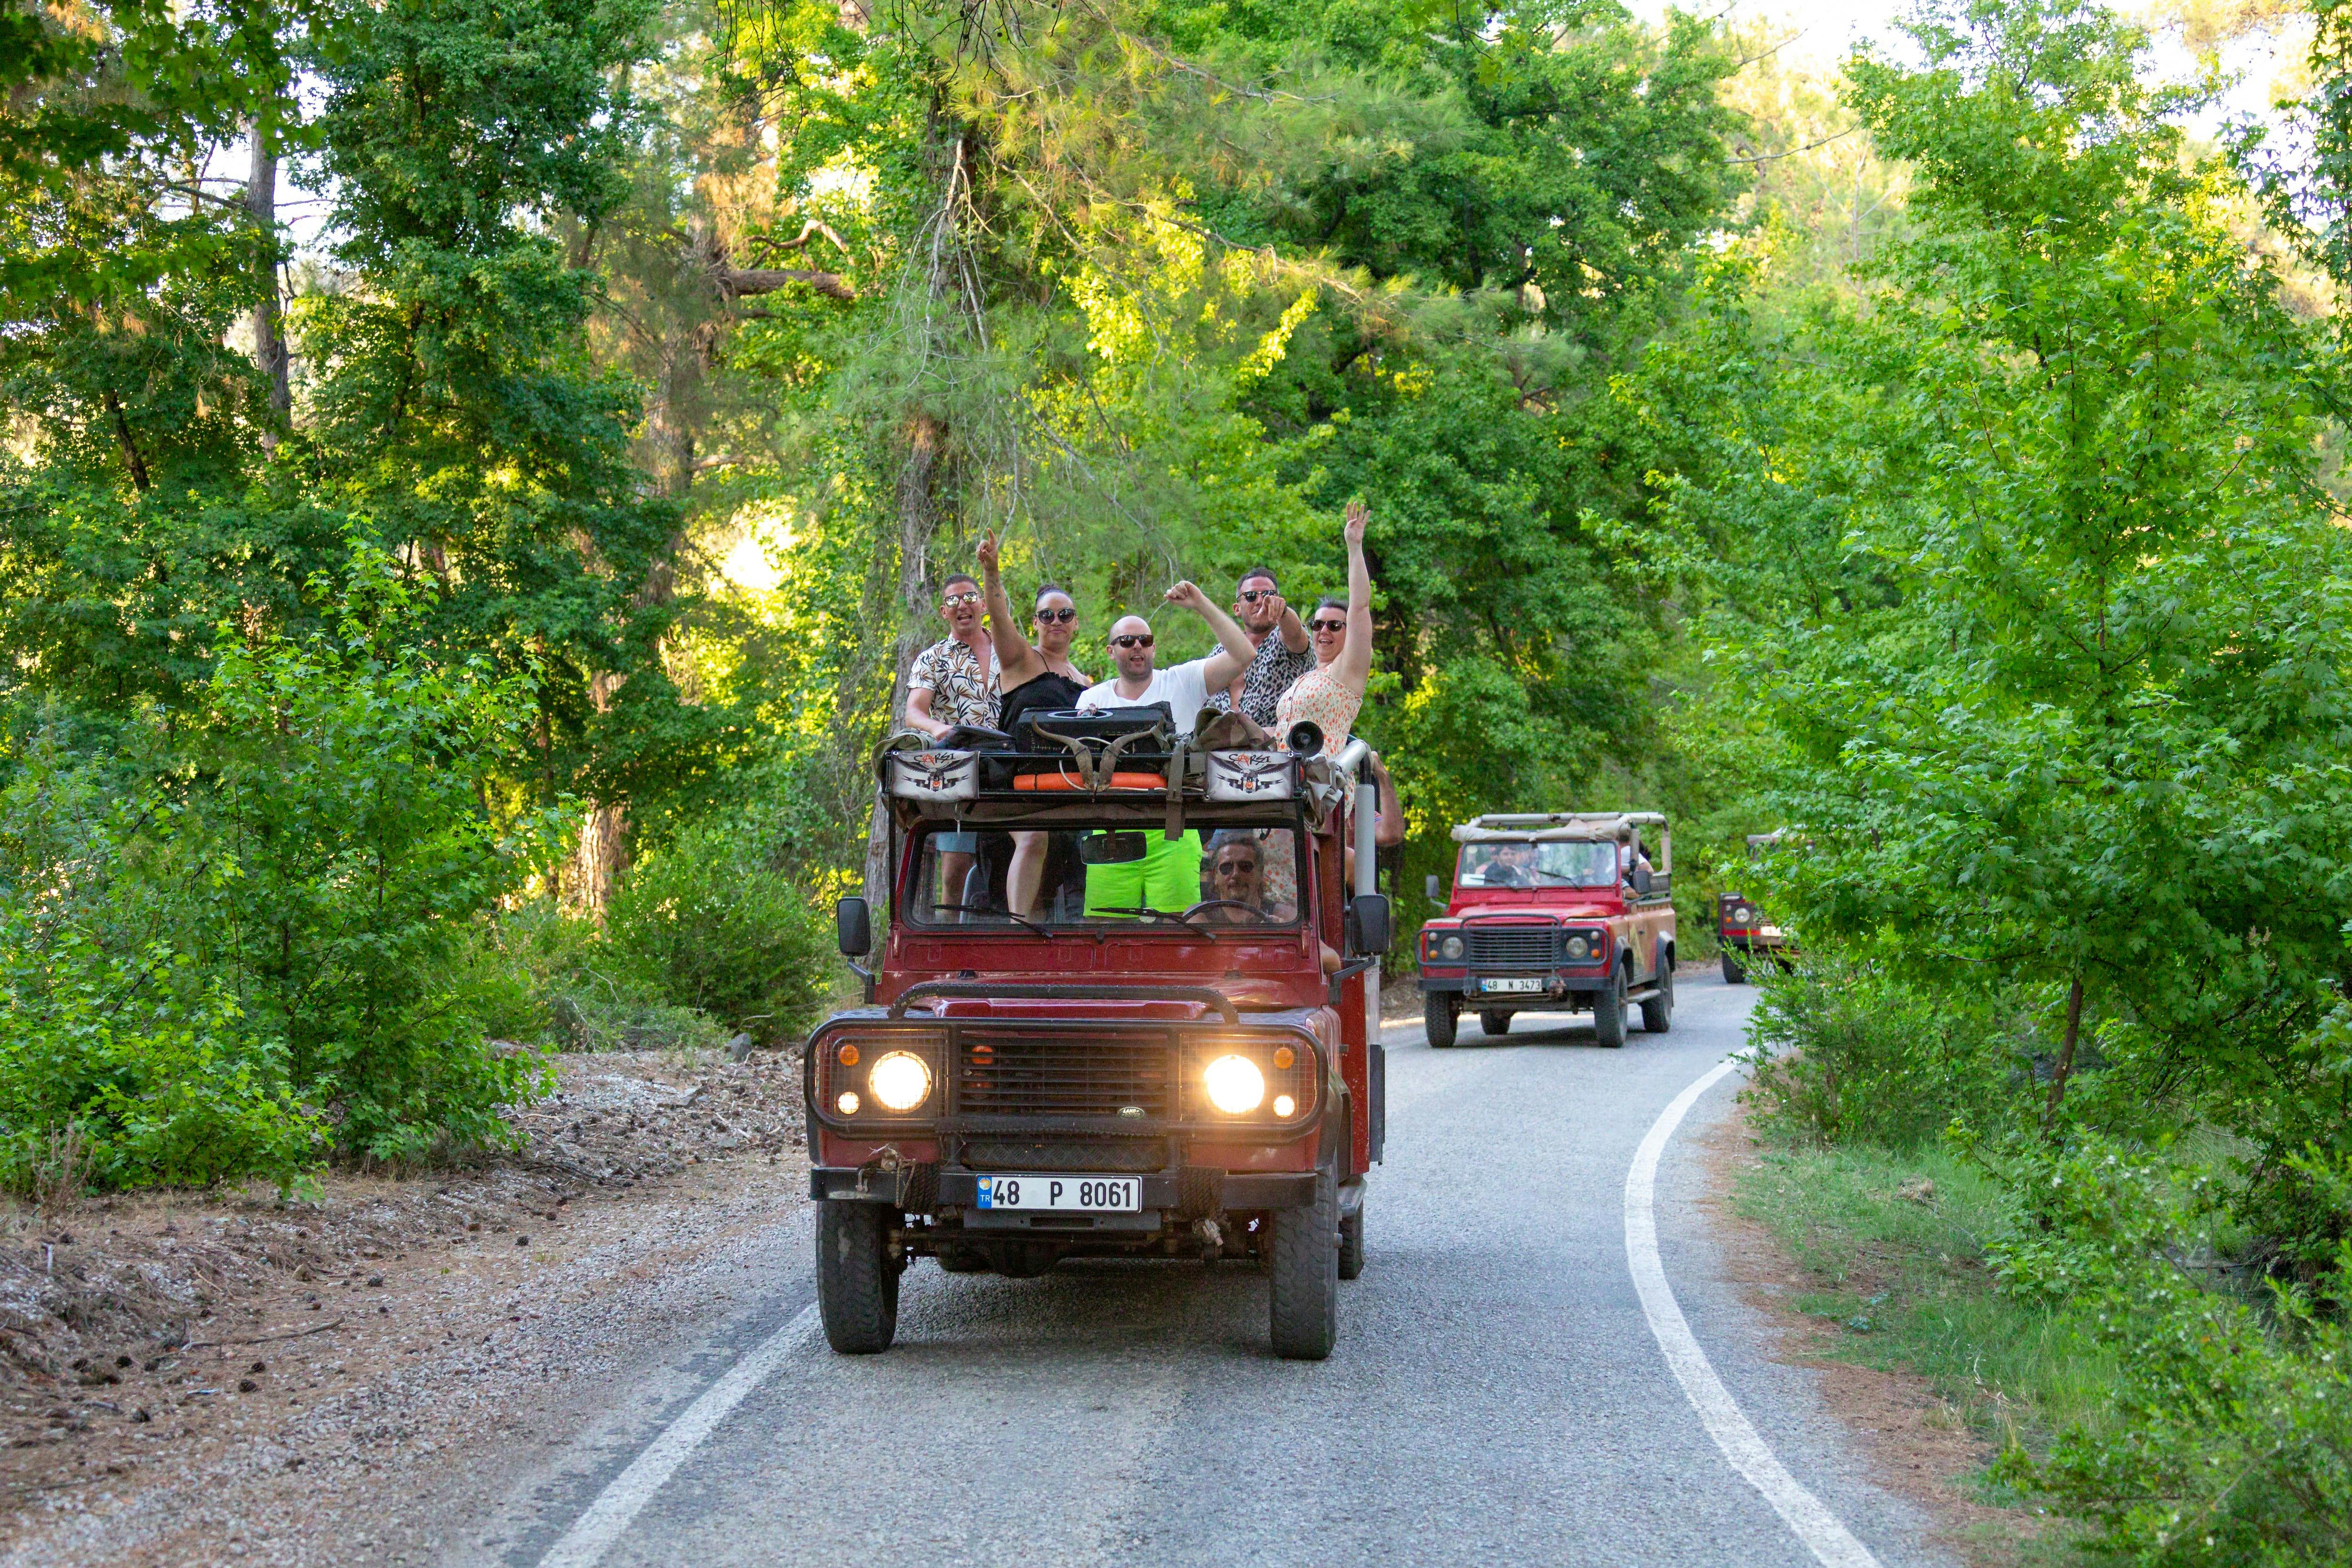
{"points": [[1842, 1052], [706, 922]]}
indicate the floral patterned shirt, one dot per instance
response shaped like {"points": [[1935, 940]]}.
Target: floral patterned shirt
{"points": [[962, 692]]}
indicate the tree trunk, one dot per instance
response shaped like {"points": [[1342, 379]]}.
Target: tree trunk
{"points": [[2065, 1068], [604, 837], [918, 519], [269, 352]]}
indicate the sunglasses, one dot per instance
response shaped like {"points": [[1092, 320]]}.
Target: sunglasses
{"points": [[1132, 641], [1238, 868], [1252, 595], [1328, 625], [958, 600], [1057, 616]]}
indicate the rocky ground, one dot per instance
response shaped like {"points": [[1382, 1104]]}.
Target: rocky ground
{"points": [[195, 1378]]}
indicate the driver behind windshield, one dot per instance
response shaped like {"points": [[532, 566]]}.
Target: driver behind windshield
{"points": [[1237, 893], [1514, 866]]}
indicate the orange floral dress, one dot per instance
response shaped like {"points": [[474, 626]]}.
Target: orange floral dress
{"points": [[1318, 697]]}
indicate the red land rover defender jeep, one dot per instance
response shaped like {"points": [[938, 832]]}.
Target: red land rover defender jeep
{"points": [[1741, 931], [1127, 1066], [1558, 910]]}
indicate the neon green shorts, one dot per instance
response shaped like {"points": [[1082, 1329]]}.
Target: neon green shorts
{"points": [[1168, 877]]}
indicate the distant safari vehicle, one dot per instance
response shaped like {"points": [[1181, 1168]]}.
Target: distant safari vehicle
{"points": [[1741, 928], [1559, 910]]}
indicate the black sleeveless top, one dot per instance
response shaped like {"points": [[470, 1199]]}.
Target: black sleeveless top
{"points": [[1047, 692]]}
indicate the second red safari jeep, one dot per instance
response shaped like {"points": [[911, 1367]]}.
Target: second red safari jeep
{"points": [[1121, 1012], [1558, 910]]}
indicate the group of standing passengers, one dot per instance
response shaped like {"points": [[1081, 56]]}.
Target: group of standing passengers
{"points": [[1274, 669]]}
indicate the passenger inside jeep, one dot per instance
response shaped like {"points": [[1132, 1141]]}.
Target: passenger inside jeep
{"points": [[1552, 863]]}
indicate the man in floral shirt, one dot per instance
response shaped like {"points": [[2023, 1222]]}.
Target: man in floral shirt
{"points": [[1283, 650], [954, 680]]}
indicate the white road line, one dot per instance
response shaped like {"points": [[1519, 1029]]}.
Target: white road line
{"points": [[594, 1531], [1814, 1524]]}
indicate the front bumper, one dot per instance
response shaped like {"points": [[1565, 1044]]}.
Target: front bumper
{"points": [[1194, 1192], [1556, 985]]}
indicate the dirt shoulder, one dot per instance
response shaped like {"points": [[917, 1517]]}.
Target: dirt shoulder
{"points": [[1918, 1443], [195, 1378]]}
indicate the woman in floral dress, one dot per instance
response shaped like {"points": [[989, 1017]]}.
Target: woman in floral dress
{"points": [[1330, 695]]}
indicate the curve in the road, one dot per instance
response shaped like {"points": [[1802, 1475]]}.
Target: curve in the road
{"points": [[1742, 1445]]}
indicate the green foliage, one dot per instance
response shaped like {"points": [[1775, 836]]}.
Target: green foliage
{"points": [[1841, 1052], [344, 848], [115, 1043], [704, 922]]}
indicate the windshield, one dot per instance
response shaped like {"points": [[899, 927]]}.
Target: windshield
{"points": [[1117, 874], [1526, 864]]}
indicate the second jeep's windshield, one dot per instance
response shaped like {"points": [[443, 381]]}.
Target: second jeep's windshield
{"points": [[1120, 873], [1528, 863]]}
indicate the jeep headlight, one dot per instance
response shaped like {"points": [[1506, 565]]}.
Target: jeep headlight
{"points": [[1579, 949], [1743, 914], [900, 1081], [1450, 948], [1236, 1085]]}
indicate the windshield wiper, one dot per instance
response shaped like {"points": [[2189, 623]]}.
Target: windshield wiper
{"points": [[1184, 920], [1000, 914]]}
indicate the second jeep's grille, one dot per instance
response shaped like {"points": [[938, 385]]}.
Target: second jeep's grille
{"points": [[1006, 1072], [1512, 948]]}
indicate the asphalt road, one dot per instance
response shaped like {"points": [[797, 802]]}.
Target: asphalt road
{"points": [[1497, 1395]]}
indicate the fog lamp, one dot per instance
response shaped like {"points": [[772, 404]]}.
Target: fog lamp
{"points": [[1450, 948], [900, 1081], [1235, 1084], [848, 1103], [1284, 1105]]}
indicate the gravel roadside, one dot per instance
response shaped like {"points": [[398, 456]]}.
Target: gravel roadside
{"points": [[197, 1378]]}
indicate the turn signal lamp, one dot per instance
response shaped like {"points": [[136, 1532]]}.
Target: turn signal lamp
{"points": [[900, 1081], [1236, 1085], [1283, 1057], [849, 1056]]}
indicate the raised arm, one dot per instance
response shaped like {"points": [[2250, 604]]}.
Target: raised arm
{"points": [[1354, 665], [1016, 661], [1291, 630], [1234, 649]]}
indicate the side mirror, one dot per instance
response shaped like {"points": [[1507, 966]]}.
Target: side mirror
{"points": [[1430, 887], [1368, 924], [853, 927]]}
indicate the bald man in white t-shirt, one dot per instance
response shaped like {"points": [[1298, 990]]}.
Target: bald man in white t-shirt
{"points": [[1184, 688]]}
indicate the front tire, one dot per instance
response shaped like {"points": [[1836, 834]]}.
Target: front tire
{"points": [[1608, 1014], [1437, 1019], [1304, 1296], [1658, 1012], [857, 1282], [1495, 1023], [1733, 972]]}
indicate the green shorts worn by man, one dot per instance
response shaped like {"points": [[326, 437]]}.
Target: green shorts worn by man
{"points": [[1168, 877]]}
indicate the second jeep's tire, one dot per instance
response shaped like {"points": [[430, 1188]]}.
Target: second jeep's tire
{"points": [[1608, 1014], [856, 1284], [1437, 1019], [1734, 973], [1304, 1255], [1658, 1011], [1494, 1022]]}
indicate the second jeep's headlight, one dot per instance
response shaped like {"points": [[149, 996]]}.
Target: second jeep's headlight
{"points": [[900, 1081], [1235, 1084], [1579, 949], [1450, 948]]}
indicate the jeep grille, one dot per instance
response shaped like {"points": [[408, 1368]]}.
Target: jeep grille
{"points": [[1005, 1072], [1512, 948]]}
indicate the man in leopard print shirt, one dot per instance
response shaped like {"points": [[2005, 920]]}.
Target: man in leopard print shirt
{"points": [[1284, 652]]}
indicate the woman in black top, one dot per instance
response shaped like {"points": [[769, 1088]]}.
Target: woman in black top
{"points": [[1037, 678]]}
